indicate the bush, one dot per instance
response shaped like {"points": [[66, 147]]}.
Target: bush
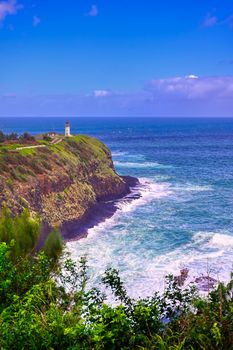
{"points": [[26, 137], [47, 138]]}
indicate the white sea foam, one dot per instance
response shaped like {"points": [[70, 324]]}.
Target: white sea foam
{"points": [[119, 153], [222, 240], [140, 165], [206, 248], [143, 273], [193, 188], [144, 193], [214, 239], [127, 157], [202, 237], [147, 191], [200, 262]]}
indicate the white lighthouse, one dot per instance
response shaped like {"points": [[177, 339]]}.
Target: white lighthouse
{"points": [[67, 129]]}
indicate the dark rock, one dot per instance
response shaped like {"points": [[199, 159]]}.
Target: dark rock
{"points": [[182, 277], [205, 283]]}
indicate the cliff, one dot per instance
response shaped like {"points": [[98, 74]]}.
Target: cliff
{"points": [[59, 181]]}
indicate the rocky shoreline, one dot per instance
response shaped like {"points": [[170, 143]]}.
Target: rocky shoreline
{"points": [[103, 209]]}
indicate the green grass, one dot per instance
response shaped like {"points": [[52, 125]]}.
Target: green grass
{"points": [[79, 152], [43, 142], [10, 147], [27, 151]]}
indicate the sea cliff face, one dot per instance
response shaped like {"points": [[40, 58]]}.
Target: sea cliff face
{"points": [[59, 182]]}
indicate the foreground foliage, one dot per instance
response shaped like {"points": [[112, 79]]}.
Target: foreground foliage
{"points": [[45, 303]]}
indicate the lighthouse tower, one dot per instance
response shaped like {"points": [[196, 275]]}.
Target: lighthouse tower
{"points": [[67, 129]]}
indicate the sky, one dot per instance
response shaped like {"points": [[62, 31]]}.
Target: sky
{"points": [[116, 58]]}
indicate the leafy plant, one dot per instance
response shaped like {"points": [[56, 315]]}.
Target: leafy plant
{"points": [[46, 302]]}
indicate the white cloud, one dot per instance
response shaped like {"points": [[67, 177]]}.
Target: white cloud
{"points": [[192, 76], [9, 7], [36, 21], [93, 11], [101, 93]]}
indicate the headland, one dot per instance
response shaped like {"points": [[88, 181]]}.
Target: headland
{"points": [[69, 182]]}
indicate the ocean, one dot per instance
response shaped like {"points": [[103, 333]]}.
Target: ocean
{"points": [[184, 216]]}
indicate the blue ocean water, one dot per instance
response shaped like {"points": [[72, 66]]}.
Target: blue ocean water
{"points": [[184, 217]]}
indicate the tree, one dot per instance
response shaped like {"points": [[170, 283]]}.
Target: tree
{"points": [[53, 245], [25, 137], [12, 137], [2, 137], [21, 232]]}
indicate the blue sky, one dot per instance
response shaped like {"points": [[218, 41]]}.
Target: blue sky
{"points": [[112, 57]]}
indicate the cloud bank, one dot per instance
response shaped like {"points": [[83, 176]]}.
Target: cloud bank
{"points": [[188, 96], [192, 88]]}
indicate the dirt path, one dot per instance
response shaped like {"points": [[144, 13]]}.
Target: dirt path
{"points": [[53, 142], [56, 141], [30, 147]]}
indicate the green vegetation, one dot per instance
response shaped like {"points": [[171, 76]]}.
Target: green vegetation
{"points": [[47, 138], [74, 151], [27, 151], [25, 137], [45, 303]]}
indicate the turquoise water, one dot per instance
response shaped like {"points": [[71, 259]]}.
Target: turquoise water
{"points": [[184, 217]]}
